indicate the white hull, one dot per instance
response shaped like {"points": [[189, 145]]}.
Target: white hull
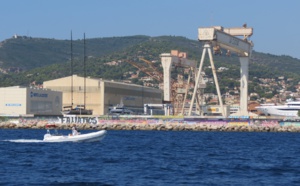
{"points": [[90, 137], [289, 110]]}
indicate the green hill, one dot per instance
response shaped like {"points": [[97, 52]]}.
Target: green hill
{"points": [[28, 53], [44, 59]]}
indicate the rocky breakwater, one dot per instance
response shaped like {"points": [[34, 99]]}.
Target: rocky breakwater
{"points": [[160, 126]]}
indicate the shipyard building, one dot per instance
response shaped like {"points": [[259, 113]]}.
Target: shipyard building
{"points": [[98, 95], [26, 101]]}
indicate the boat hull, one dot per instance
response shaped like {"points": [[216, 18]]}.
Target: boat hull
{"points": [[282, 110], [276, 112], [77, 112], [90, 137]]}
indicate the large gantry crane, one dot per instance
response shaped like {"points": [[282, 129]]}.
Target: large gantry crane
{"points": [[226, 38], [175, 90]]}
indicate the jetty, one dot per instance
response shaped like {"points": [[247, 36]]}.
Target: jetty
{"points": [[159, 124]]}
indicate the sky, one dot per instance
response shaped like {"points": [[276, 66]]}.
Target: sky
{"points": [[275, 23]]}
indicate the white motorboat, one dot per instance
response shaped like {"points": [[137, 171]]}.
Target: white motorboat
{"points": [[89, 137], [119, 109], [290, 109]]}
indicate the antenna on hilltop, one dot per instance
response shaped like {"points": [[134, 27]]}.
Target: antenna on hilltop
{"points": [[84, 68], [72, 70]]}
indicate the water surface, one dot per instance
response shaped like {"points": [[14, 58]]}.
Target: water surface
{"points": [[151, 158]]}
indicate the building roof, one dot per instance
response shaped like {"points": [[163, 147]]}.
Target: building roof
{"points": [[107, 81]]}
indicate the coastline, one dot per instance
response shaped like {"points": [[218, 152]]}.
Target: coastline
{"points": [[160, 126]]}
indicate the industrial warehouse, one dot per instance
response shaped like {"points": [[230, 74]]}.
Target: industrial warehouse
{"points": [[95, 94], [26, 101], [99, 95]]}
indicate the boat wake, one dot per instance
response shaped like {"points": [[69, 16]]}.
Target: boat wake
{"points": [[25, 141]]}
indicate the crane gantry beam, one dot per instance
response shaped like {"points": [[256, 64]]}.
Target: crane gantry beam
{"points": [[226, 40]]}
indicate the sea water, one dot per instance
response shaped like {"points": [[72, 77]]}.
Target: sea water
{"points": [[151, 158]]}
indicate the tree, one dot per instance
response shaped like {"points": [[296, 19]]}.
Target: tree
{"points": [[253, 98]]}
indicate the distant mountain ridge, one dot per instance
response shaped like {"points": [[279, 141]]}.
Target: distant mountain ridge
{"points": [[29, 53], [39, 59]]}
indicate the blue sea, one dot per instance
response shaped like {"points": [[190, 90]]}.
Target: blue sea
{"points": [[151, 158]]}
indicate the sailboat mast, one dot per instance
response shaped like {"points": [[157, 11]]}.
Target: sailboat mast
{"points": [[72, 71], [84, 66]]}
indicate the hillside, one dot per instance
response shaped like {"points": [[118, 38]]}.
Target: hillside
{"points": [[44, 59], [28, 53]]}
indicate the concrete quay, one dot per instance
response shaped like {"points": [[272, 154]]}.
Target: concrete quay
{"points": [[166, 126]]}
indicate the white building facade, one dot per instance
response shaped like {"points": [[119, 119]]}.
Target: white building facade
{"points": [[22, 101]]}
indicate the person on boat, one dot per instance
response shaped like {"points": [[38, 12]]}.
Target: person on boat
{"points": [[75, 131]]}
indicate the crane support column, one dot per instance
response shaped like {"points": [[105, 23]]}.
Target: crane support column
{"points": [[198, 76], [244, 85], [166, 61], [207, 47]]}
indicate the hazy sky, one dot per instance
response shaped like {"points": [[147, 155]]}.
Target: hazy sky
{"points": [[275, 23]]}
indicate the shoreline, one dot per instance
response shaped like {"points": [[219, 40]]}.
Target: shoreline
{"points": [[154, 127]]}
